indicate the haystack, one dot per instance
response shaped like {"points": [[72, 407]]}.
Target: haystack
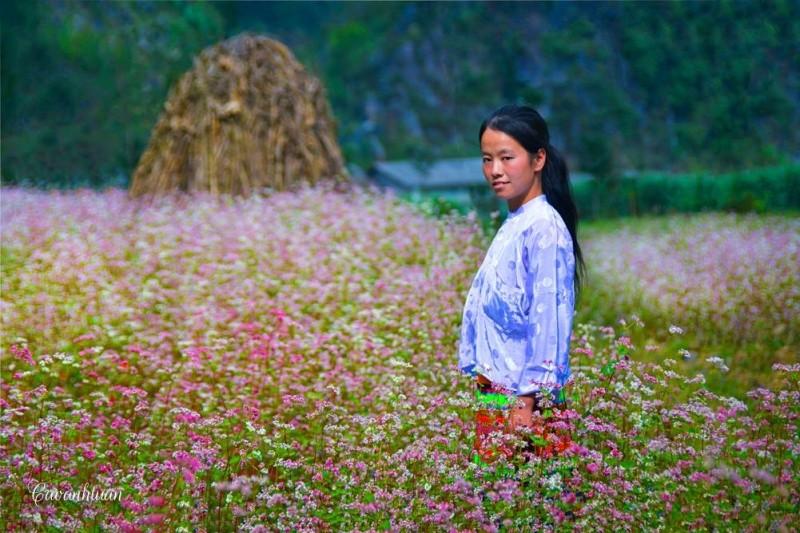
{"points": [[246, 117]]}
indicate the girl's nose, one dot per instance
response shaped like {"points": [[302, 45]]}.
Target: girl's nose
{"points": [[497, 169]]}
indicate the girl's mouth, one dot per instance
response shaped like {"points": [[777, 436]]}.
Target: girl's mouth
{"points": [[499, 184]]}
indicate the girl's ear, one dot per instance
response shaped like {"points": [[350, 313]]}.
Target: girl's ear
{"points": [[539, 159]]}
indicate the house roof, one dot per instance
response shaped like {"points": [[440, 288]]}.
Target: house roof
{"points": [[443, 173]]}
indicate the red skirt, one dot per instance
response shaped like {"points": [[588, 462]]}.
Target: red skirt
{"points": [[492, 415]]}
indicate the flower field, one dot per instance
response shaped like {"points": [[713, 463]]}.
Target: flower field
{"points": [[728, 284], [288, 362], [736, 272]]}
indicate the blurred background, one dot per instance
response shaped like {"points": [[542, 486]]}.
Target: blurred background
{"points": [[659, 107]]}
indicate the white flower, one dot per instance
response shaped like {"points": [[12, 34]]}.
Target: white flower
{"points": [[719, 363], [553, 482], [675, 330]]}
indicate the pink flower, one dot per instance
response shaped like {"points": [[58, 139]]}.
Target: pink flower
{"points": [[289, 399], [84, 337], [130, 391], [188, 475], [593, 468], [120, 422], [186, 415], [23, 353], [153, 519]]}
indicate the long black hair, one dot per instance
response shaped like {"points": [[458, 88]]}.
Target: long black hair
{"points": [[529, 129]]}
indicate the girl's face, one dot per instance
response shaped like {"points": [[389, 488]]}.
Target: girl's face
{"points": [[512, 173]]}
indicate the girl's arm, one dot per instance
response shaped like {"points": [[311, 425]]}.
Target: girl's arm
{"points": [[548, 288]]}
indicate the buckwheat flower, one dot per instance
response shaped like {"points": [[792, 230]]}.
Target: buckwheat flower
{"points": [[156, 501], [735, 404], [291, 399], [718, 362], [22, 353], [786, 368], [625, 341], [675, 330], [153, 519], [685, 354], [763, 476], [553, 482]]}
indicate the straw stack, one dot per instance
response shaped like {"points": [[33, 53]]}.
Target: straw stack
{"points": [[246, 118]]}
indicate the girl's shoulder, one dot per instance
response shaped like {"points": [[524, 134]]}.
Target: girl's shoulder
{"points": [[544, 230], [544, 222]]}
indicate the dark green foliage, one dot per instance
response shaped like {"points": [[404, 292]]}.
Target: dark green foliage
{"points": [[84, 82], [677, 86], [756, 190]]}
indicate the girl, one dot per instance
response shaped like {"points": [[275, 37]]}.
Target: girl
{"points": [[517, 319]]}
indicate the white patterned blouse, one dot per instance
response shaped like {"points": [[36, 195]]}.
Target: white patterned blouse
{"points": [[517, 319]]}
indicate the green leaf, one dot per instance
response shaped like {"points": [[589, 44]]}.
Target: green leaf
{"points": [[538, 441], [217, 474]]}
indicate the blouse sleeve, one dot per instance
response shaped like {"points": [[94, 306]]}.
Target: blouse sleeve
{"points": [[548, 289]]}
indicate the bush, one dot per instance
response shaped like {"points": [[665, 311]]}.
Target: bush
{"points": [[756, 190]]}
